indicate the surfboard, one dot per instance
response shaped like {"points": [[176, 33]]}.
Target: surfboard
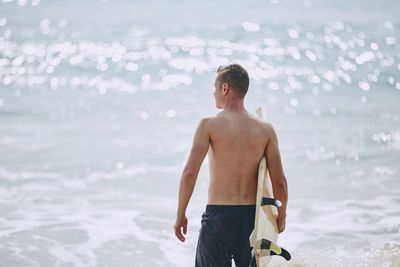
{"points": [[264, 237]]}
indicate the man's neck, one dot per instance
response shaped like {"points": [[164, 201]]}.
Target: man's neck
{"points": [[234, 106]]}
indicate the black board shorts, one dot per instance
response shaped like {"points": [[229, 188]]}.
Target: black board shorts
{"points": [[224, 235]]}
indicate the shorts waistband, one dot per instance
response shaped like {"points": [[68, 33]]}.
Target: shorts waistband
{"points": [[212, 207]]}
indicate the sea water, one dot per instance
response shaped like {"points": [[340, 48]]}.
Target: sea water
{"points": [[99, 101]]}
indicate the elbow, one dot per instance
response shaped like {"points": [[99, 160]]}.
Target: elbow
{"points": [[188, 175], [284, 180], [282, 183]]}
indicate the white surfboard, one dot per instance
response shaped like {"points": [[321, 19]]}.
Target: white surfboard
{"points": [[265, 234]]}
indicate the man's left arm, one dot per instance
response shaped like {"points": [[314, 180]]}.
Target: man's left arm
{"points": [[199, 150]]}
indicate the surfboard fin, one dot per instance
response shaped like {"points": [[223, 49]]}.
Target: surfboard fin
{"points": [[270, 201], [268, 248], [274, 249]]}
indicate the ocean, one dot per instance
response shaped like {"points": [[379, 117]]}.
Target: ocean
{"points": [[99, 101]]}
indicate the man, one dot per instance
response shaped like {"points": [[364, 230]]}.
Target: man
{"points": [[235, 141]]}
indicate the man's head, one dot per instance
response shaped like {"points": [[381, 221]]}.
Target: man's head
{"points": [[232, 82]]}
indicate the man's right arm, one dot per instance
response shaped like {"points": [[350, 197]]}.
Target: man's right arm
{"points": [[197, 154], [278, 179]]}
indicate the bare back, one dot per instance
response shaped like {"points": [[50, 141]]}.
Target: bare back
{"points": [[237, 143]]}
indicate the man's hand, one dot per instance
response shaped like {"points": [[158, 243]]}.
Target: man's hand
{"points": [[281, 221], [180, 227]]}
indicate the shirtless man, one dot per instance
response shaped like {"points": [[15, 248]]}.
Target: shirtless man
{"points": [[235, 141]]}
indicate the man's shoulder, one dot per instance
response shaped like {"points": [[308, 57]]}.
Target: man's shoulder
{"points": [[213, 120], [268, 126], [206, 121], [264, 124], [210, 118], [210, 123]]}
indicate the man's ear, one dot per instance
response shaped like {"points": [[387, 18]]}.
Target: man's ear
{"points": [[225, 88]]}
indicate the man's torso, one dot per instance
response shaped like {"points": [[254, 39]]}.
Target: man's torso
{"points": [[238, 141]]}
